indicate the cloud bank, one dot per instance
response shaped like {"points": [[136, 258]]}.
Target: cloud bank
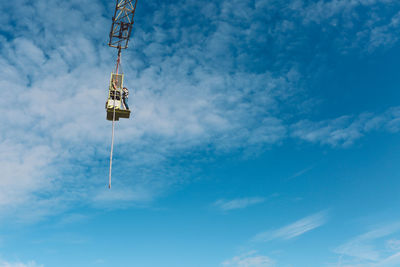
{"points": [[226, 80]]}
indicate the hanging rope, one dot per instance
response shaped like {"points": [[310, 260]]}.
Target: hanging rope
{"points": [[113, 120]]}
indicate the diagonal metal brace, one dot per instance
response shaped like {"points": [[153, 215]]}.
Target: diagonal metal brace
{"points": [[122, 23]]}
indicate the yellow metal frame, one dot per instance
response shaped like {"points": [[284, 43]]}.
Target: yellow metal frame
{"points": [[120, 83], [119, 112]]}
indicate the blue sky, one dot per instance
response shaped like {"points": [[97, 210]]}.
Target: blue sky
{"points": [[264, 133]]}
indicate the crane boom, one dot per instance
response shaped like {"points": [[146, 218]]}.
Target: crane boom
{"points": [[122, 23]]}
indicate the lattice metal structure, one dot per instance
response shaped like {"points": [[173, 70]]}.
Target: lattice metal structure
{"points": [[122, 23]]}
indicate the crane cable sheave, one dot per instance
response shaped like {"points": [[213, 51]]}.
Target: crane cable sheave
{"points": [[122, 23]]}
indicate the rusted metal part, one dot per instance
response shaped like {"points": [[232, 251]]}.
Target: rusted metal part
{"points": [[122, 23]]}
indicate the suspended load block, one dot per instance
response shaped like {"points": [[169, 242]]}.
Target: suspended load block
{"points": [[114, 100]]}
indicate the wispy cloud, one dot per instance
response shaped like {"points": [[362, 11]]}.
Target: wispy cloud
{"points": [[72, 218], [391, 261], [19, 264], [294, 229], [393, 244], [373, 248], [379, 31], [343, 131], [239, 203], [250, 259], [301, 172]]}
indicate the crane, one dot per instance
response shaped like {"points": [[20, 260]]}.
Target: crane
{"points": [[121, 29]]}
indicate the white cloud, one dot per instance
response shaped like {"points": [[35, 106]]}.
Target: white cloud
{"points": [[373, 248], [19, 264], [340, 131], [71, 218], [251, 259], [391, 261], [192, 89], [343, 131], [121, 195], [344, 23], [393, 244], [294, 229], [239, 203], [55, 141], [301, 172], [319, 11]]}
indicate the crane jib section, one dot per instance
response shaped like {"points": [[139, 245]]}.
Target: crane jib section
{"points": [[122, 23]]}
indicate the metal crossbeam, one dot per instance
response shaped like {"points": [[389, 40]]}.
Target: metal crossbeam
{"points": [[122, 23]]}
